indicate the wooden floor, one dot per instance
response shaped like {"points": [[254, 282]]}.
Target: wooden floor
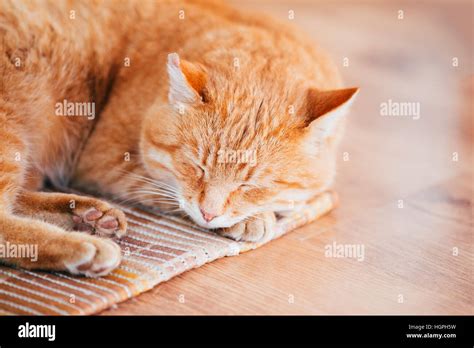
{"points": [[404, 196]]}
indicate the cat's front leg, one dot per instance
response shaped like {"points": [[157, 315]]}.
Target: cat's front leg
{"points": [[259, 228], [73, 212]]}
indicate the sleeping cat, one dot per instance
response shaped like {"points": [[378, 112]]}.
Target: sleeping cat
{"points": [[187, 106]]}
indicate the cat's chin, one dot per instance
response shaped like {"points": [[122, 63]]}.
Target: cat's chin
{"points": [[219, 222], [215, 225]]}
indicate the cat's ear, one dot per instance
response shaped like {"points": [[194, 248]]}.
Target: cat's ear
{"points": [[325, 108], [187, 81]]}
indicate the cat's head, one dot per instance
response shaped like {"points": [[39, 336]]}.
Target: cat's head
{"points": [[229, 145]]}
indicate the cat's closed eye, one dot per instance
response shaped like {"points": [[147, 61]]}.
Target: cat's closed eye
{"points": [[204, 95], [201, 170], [246, 187]]}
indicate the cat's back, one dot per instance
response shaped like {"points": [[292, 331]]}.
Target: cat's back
{"points": [[277, 38]]}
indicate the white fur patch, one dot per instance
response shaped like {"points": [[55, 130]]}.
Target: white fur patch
{"points": [[98, 266], [87, 256], [326, 124], [180, 92], [161, 157]]}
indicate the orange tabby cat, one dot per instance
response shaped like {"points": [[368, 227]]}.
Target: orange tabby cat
{"points": [[242, 122]]}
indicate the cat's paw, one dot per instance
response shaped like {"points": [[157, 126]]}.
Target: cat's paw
{"points": [[94, 257], [100, 218], [260, 228]]}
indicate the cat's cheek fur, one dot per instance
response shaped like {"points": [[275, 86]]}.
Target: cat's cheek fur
{"points": [[160, 157], [159, 165]]}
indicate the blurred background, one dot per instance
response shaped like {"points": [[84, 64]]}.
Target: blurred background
{"points": [[406, 56], [405, 182]]}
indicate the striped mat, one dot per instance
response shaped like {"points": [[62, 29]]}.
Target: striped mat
{"points": [[157, 247]]}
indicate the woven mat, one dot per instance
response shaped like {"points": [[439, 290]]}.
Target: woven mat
{"points": [[156, 248]]}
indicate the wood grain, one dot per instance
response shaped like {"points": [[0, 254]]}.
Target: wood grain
{"points": [[418, 258]]}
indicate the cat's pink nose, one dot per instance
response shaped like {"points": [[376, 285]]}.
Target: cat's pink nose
{"points": [[207, 216]]}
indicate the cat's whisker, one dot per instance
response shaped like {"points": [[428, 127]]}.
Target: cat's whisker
{"points": [[155, 183], [151, 190], [138, 176], [177, 211], [155, 193], [163, 185], [156, 198], [148, 201], [125, 198], [138, 193], [184, 214]]}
